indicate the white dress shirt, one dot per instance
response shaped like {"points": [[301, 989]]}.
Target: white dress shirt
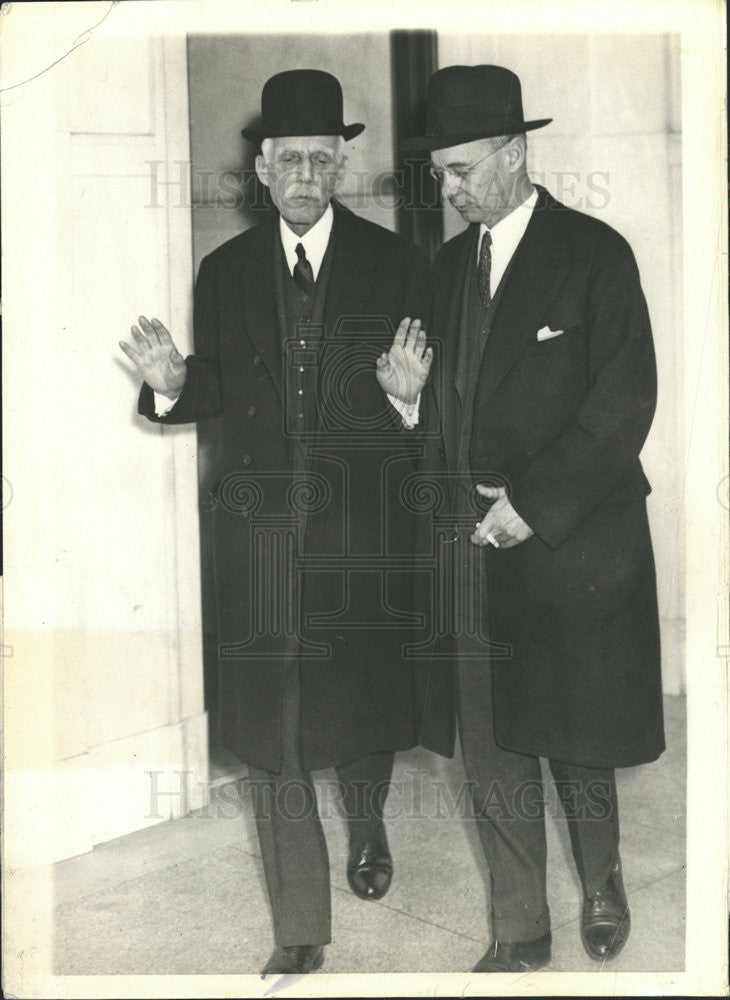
{"points": [[314, 241], [506, 235]]}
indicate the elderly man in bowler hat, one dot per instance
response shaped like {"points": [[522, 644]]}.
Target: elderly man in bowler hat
{"points": [[545, 394], [294, 351]]}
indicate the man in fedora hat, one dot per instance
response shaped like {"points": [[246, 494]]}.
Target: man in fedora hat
{"points": [[312, 544], [545, 394]]}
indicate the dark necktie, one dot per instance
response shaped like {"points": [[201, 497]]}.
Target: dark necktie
{"points": [[484, 269], [303, 274]]}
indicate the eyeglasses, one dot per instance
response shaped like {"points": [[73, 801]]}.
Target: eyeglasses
{"points": [[461, 174], [319, 162]]}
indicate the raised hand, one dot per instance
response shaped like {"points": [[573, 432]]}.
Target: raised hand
{"points": [[501, 526], [402, 371], [156, 358]]}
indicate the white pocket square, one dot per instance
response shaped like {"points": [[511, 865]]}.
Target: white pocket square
{"points": [[545, 333]]}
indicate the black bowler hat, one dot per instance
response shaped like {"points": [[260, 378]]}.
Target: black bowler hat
{"points": [[301, 102], [465, 103]]}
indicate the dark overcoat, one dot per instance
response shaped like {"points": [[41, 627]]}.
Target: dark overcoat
{"points": [[560, 422], [312, 541]]}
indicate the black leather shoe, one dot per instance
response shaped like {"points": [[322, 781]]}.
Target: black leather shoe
{"points": [[370, 866], [297, 958], [605, 921], [523, 956]]}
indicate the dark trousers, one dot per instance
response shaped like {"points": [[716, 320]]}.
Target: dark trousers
{"points": [[293, 847], [508, 802]]}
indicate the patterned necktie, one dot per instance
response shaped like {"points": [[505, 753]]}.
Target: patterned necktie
{"points": [[484, 269], [303, 274]]}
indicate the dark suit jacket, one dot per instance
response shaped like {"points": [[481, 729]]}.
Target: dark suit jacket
{"points": [[560, 422], [347, 581]]}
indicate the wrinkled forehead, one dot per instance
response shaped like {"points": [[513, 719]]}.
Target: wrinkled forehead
{"points": [[463, 155], [304, 144]]}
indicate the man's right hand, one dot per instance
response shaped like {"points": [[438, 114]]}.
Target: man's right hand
{"points": [[403, 370], [156, 358]]}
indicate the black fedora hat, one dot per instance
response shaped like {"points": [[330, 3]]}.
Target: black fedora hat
{"points": [[465, 103], [301, 102]]}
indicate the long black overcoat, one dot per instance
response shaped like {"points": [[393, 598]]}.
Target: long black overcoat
{"points": [[338, 594], [560, 421]]}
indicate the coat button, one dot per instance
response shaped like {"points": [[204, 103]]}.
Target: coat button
{"points": [[252, 411], [246, 460], [257, 360]]}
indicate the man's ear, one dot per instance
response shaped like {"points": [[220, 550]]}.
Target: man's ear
{"points": [[341, 169], [261, 170], [517, 153]]}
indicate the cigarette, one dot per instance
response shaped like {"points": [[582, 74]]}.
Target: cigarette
{"points": [[492, 540]]}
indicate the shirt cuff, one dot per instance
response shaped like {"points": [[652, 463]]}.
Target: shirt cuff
{"points": [[163, 404], [409, 411]]}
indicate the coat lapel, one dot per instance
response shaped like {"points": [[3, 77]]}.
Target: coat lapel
{"points": [[537, 270], [352, 272], [260, 314], [253, 291], [446, 323], [463, 262]]}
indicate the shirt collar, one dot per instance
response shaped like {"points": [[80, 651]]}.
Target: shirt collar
{"points": [[314, 241], [508, 232]]}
